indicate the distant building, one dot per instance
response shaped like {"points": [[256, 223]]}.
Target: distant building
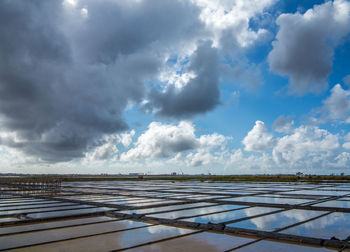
{"points": [[136, 174], [173, 174]]}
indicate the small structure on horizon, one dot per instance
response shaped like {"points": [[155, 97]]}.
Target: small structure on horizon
{"points": [[136, 174]]}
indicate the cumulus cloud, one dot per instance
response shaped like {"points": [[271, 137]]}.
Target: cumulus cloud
{"points": [[305, 142], [249, 163], [107, 148], [346, 145], [336, 107], [104, 151], [258, 139], [305, 44], [283, 124], [177, 142], [305, 148], [211, 149], [342, 160], [229, 21], [162, 140], [212, 141], [302, 148], [199, 158]]}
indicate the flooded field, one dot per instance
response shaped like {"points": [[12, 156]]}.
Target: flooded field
{"points": [[181, 216]]}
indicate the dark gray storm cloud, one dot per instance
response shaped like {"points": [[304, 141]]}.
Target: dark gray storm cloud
{"points": [[305, 44], [200, 94], [115, 28], [66, 78]]}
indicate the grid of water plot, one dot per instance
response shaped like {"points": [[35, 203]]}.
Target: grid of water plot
{"points": [[180, 216]]}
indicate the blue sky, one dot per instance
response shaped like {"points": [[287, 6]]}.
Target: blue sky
{"points": [[193, 86]]}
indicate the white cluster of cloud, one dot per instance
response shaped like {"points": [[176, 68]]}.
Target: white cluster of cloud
{"points": [[211, 150], [177, 142], [178, 146], [247, 163], [305, 43], [161, 141], [306, 142], [342, 161], [108, 146], [335, 108], [229, 21], [304, 145], [337, 105], [258, 139]]}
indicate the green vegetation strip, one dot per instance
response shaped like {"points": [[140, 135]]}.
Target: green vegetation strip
{"points": [[206, 178]]}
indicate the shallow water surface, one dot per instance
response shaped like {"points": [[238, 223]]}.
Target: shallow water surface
{"points": [[275, 221]]}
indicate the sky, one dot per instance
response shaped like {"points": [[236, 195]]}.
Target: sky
{"points": [[186, 86]]}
